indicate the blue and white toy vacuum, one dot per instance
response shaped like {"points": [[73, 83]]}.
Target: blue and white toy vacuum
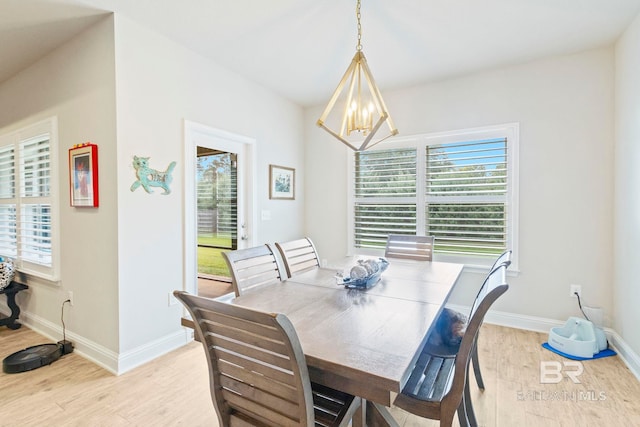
{"points": [[578, 337]]}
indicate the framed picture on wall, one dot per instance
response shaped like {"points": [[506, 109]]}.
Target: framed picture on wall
{"points": [[83, 175], [282, 182]]}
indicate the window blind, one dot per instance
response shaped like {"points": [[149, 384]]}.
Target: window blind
{"points": [[227, 191], [8, 230], [466, 189], [389, 173], [27, 212], [217, 194], [34, 237], [457, 191], [385, 195], [35, 172], [7, 173]]}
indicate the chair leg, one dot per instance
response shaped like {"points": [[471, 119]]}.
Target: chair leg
{"points": [[468, 405], [446, 419], [476, 365], [462, 414]]}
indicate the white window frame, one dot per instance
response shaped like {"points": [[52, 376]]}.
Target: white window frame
{"points": [[510, 131], [38, 129]]}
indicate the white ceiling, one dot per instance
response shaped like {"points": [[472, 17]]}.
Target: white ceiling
{"points": [[301, 48]]}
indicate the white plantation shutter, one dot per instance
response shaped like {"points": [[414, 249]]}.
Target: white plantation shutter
{"points": [[8, 232], [455, 186], [7, 173], [35, 233], [385, 195], [227, 190], [34, 237], [8, 240], [26, 199], [35, 172], [466, 197], [218, 197]]}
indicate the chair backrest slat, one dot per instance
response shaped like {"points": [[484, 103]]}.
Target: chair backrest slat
{"points": [[252, 268], [409, 247], [298, 255], [257, 369], [260, 381]]}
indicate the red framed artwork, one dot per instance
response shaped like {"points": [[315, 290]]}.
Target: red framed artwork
{"points": [[83, 175]]}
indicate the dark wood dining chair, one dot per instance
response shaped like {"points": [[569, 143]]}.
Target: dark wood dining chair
{"points": [[436, 386], [253, 267], [298, 255], [409, 247], [503, 259], [257, 370]]}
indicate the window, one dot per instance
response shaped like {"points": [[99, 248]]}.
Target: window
{"points": [[28, 208], [458, 186]]}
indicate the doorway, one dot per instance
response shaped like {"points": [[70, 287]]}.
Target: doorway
{"points": [[217, 204], [219, 201], [217, 218]]}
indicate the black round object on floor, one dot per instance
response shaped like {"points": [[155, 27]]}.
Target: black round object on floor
{"points": [[31, 358]]}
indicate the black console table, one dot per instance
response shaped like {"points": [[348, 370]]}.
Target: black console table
{"points": [[10, 291]]}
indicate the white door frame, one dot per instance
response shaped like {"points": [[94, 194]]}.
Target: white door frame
{"points": [[196, 134]]}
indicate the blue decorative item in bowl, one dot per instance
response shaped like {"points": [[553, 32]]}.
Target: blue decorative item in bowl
{"points": [[365, 274]]}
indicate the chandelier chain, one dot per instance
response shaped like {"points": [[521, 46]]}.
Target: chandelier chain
{"points": [[359, 45]]}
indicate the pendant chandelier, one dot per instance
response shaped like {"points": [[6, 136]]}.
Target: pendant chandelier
{"points": [[363, 111]]}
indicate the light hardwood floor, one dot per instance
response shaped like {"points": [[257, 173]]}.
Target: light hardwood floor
{"points": [[173, 390]]}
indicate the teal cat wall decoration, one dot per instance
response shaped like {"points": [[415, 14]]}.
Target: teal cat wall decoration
{"points": [[148, 177]]}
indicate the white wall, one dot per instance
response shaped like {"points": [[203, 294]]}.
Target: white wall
{"points": [[76, 83], [627, 187], [159, 84], [565, 109], [129, 90], [122, 259]]}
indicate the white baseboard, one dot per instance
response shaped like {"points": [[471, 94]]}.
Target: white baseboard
{"points": [[88, 349], [124, 362], [111, 361], [544, 325], [625, 352], [146, 353]]}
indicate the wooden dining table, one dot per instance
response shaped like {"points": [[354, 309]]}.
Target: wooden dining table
{"points": [[364, 342]]}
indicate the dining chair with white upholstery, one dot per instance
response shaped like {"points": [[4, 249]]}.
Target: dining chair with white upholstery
{"points": [[253, 267], [409, 247], [298, 255], [258, 375]]}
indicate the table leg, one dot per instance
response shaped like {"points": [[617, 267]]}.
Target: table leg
{"points": [[11, 322]]}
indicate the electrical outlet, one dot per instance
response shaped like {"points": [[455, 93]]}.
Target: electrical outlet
{"points": [[70, 297], [575, 289]]}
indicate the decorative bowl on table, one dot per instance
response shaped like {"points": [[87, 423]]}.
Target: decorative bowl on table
{"points": [[365, 274]]}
